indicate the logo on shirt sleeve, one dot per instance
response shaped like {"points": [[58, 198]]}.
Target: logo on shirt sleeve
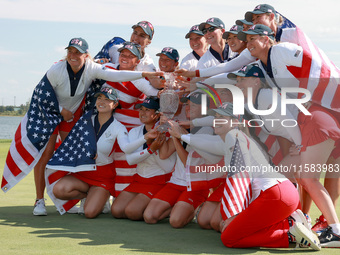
{"points": [[297, 53]]}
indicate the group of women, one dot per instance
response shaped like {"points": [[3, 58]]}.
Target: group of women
{"points": [[277, 64], [260, 55]]}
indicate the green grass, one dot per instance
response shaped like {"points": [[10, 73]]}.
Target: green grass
{"points": [[23, 233]]}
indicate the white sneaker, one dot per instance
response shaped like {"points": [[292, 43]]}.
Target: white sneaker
{"points": [[81, 207], [304, 236], [299, 216], [107, 207], [39, 208]]}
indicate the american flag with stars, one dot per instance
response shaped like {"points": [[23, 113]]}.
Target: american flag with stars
{"points": [[104, 52], [76, 153], [237, 191], [32, 135]]}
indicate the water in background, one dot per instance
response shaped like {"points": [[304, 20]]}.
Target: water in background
{"points": [[8, 126]]}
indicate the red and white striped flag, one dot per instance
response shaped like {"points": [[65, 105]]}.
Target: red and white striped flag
{"points": [[129, 95], [32, 134], [318, 74], [237, 192]]}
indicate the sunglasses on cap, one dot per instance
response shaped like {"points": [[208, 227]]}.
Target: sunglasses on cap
{"points": [[209, 29]]}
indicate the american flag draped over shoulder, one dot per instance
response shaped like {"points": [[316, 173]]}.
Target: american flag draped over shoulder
{"points": [[104, 52], [318, 73], [237, 191], [323, 83], [76, 153], [32, 135]]}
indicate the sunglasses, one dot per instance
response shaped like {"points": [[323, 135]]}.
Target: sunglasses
{"points": [[209, 29]]}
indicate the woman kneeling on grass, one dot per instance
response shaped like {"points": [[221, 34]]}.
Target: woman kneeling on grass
{"points": [[152, 172], [96, 186], [268, 216]]}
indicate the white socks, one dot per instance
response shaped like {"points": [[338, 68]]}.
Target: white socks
{"points": [[335, 228]]}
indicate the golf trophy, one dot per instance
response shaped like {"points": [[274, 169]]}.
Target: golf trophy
{"points": [[168, 101]]}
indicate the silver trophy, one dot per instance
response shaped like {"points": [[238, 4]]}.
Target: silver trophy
{"points": [[168, 101]]}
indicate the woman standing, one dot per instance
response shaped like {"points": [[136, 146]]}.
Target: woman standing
{"points": [[198, 45], [218, 51], [235, 44], [284, 31], [142, 34]]}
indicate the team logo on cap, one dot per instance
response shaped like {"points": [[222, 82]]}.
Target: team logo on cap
{"points": [[167, 50], [147, 101], [257, 7], [77, 41], [224, 106], [243, 69], [194, 28], [233, 28], [107, 90], [252, 27], [210, 20], [128, 46], [145, 24]]}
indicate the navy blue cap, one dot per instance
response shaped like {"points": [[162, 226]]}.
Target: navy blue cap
{"points": [[226, 109], [233, 30], [170, 52], [195, 97], [258, 29], [133, 47], [194, 29], [109, 92], [259, 9], [252, 70], [214, 22], [240, 22], [80, 44], [150, 103], [147, 28]]}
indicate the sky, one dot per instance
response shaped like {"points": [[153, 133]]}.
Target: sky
{"points": [[34, 33]]}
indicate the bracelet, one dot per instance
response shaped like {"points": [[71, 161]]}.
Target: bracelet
{"points": [[197, 73], [150, 151]]}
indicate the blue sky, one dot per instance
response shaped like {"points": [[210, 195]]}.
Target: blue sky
{"points": [[35, 32]]}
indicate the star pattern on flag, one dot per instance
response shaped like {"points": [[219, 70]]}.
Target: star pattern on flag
{"points": [[80, 150], [80, 146], [43, 115], [104, 52]]}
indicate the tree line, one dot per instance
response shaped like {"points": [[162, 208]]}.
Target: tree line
{"points": [[14, 110]]}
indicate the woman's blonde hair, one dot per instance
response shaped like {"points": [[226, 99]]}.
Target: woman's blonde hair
{"points": [[278, 19]]}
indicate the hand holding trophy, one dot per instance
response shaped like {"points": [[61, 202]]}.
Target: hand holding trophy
{"points": [[168, 100]]}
